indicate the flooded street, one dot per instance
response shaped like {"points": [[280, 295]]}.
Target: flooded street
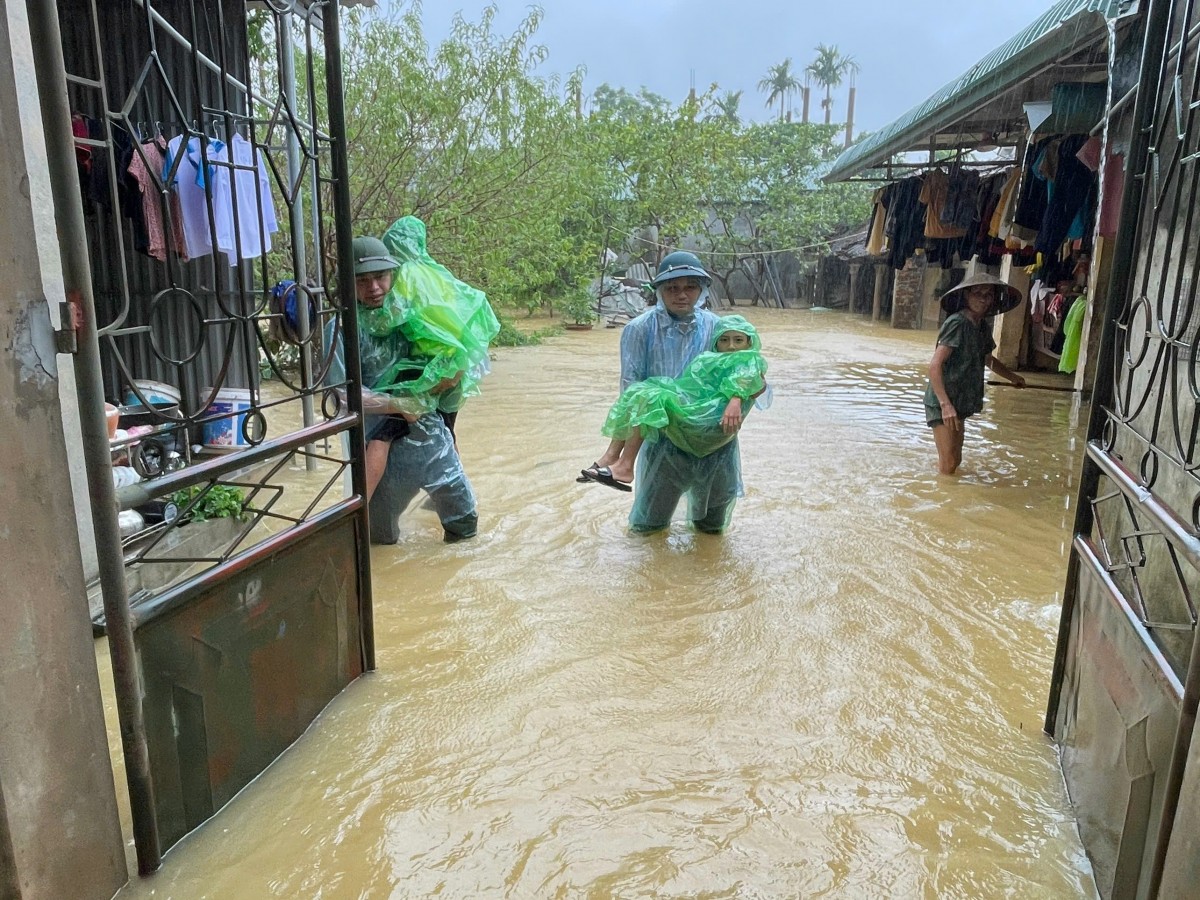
{"points": [[841, 697]]}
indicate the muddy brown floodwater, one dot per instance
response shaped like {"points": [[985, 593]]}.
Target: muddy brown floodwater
{"points": [[841, 697]]}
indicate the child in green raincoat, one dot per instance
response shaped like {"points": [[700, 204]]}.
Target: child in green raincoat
{"points": [[699, 412], [448, 323]]}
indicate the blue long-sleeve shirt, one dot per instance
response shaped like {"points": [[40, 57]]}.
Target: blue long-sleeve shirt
{"points": [[659, 344]]}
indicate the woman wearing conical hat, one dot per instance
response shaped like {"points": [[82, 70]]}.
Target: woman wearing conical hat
{"points": [[964, 349]]}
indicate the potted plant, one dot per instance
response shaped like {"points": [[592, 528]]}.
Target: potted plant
{"points": [[219, 501], [579, 309]]}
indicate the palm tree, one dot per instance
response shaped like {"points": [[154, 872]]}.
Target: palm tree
{"points": [[828, 70], [779, 84], [725, 108]]}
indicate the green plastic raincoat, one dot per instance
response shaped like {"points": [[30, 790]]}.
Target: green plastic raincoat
{"points": [[687, 410], [449, 324]]}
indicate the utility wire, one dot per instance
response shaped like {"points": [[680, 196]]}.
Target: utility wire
{"points": [[748, 253]]}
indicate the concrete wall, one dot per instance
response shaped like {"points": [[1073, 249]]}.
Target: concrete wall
{"points": [[59, 802]]}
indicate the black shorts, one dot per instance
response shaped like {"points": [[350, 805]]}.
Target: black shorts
{"points": [[392, 428]]}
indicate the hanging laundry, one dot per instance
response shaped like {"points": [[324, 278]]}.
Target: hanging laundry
{"points": [[83, 153], [129, 194], [1032, 200], [143, 164], [934, 191], [961, 207], [1069, 187], [876, 240], [1072, 335], [185, 171], [1001, 222], [905, 224], [250, 189], [1089, 153], [99, 190]]}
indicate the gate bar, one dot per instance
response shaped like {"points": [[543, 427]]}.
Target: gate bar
{"points": [[56, 114], [1090, 555], [135, 495], [296, 214], [1175, 770], [348, 301], [1162, 516], [180, 593], [1124, 262]]}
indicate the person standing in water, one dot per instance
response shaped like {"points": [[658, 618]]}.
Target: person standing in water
{"points": [[699, 412], [660, 343], [964, 348]]}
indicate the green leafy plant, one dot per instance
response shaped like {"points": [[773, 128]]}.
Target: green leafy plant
{"points": [[579, 307], [218, 501], [511, 336]]}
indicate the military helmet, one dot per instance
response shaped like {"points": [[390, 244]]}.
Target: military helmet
{"points": [[371, 255], [680, 264]]}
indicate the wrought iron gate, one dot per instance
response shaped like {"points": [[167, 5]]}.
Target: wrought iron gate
{"points": [[209, 149], [1127, 671]]}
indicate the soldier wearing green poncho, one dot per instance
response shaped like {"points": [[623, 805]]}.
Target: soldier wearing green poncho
{"points": [[701, 410], [409, 446], [449, 325]]}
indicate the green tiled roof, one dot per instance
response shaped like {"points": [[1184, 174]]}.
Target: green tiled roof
{"points": [[1067, 23]]}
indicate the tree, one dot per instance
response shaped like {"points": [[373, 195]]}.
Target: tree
{"points": [[829, 69], [726, 107], [466, 137], [522, 193], [779, 84], [763, 199]]}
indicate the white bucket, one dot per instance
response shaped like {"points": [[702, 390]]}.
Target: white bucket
{"points": [[226, 432], [155, 392]]}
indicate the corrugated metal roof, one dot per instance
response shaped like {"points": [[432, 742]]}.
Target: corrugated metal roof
{"points": [[1067, 25]]}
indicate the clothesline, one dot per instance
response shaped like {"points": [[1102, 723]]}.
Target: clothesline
{"points": [[723, 252]]}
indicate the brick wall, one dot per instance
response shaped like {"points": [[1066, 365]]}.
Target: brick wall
{"points": [[907, 294]]}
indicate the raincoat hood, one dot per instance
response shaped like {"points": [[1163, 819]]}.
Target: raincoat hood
{"points": [[406, 240], [738, 324]]}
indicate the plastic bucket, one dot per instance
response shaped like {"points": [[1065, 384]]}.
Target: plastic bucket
{"points": [[226, 432], [155, 392]]}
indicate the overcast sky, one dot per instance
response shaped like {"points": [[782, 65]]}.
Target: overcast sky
{"points": [[906, 50]]}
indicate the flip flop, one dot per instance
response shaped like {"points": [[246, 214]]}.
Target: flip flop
{"points": [[585, 475], [604, 476]]}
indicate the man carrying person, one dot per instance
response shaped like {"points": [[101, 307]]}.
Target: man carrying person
{"points": [[409, 449], [661, 342]]}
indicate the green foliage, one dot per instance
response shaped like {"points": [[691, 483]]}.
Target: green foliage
{"points": [[511, 336], [828, 70], [779, 84], [578, 306], [522, 188], [466, 137], [218, 501], [727, 107]]}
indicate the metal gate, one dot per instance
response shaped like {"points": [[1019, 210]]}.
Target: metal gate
{"points": [[202, 146], [1127, 670]]}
